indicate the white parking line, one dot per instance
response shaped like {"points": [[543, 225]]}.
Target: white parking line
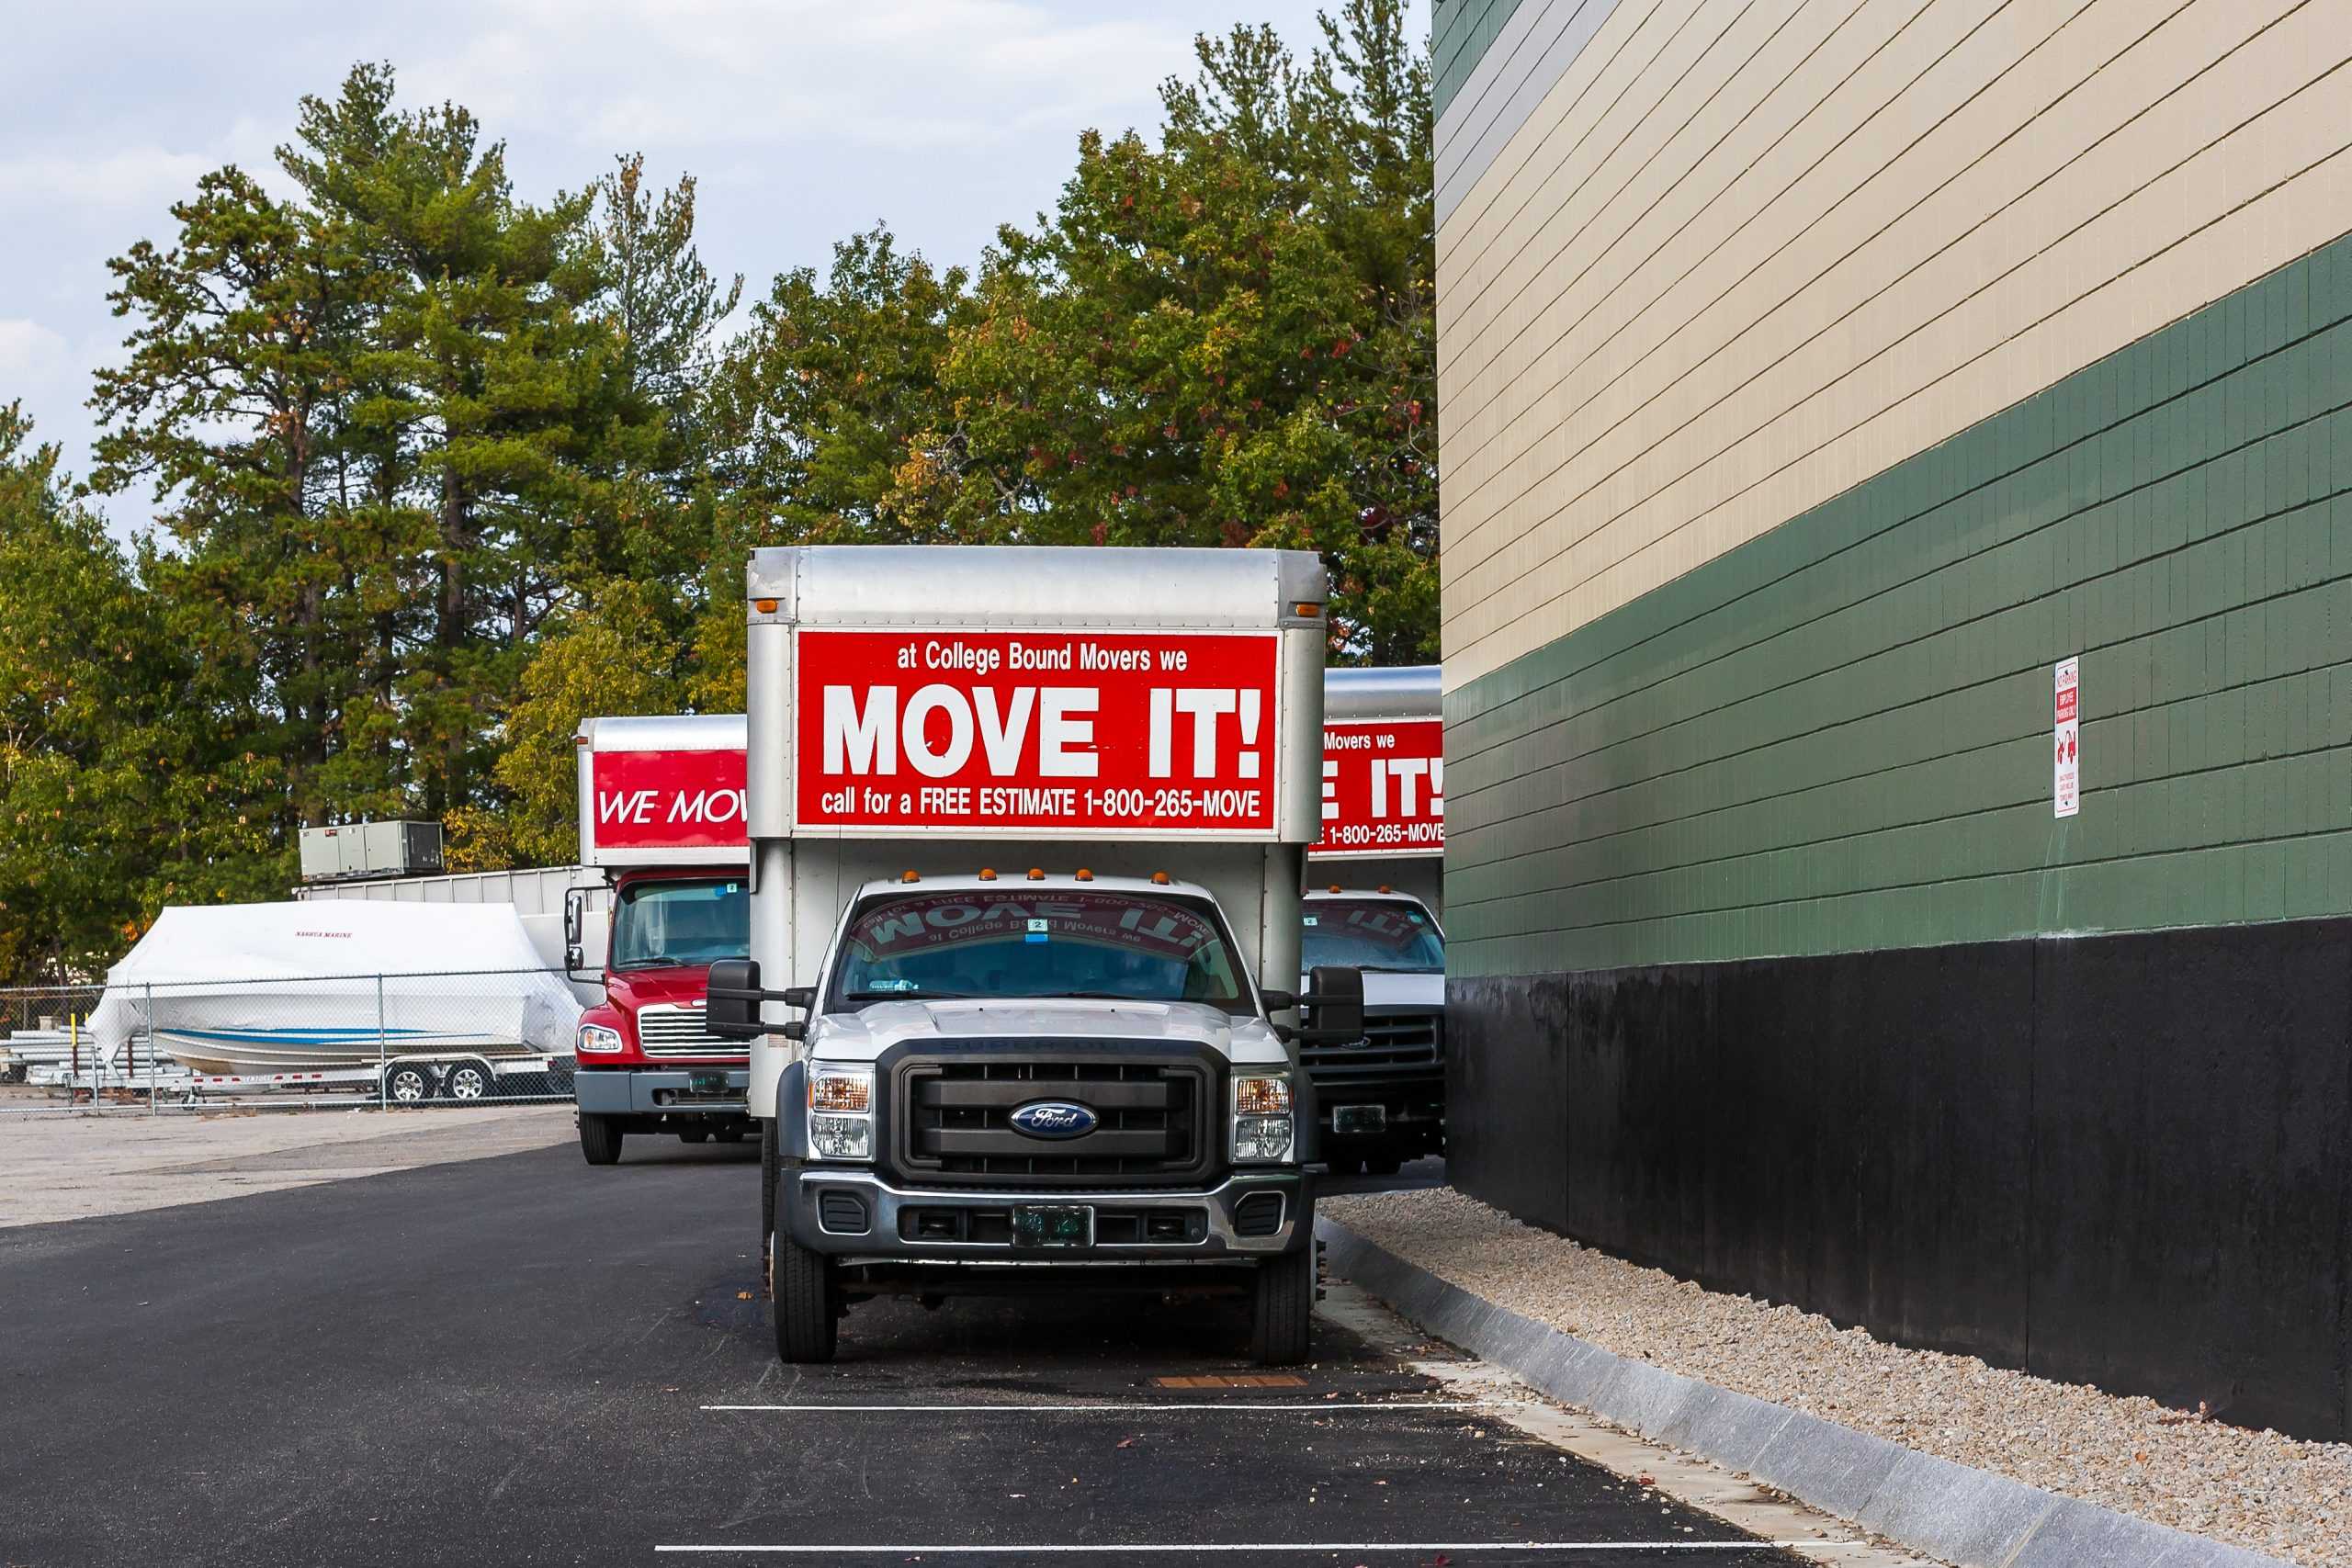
{"points": [[1263, 1547], [1145, 1408]]}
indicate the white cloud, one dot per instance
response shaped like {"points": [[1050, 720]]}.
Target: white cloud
{"points": [[894, 75], [28, 351]]}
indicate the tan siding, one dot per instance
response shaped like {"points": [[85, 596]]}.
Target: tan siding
{"points": [[1737, 262]]}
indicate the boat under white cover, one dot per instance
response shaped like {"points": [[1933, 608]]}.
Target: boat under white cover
{"points": [[270, 987]]}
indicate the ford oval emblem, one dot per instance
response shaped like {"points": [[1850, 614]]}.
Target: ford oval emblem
{"points": [[1054, 1118]]}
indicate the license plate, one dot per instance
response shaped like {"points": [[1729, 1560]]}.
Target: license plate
{"points": [[706, 1083], [1359, 1119], [1051, 1226]]}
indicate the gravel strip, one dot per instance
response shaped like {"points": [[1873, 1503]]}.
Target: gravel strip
{"points": [[2261, 1490]]}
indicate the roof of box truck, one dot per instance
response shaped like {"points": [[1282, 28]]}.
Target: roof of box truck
{"points": [[1403, 691], [1014, 586]]}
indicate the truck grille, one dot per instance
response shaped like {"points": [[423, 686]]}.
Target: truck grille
{"points": [[1399, 1040], [667, 1030], [954, 1121]]}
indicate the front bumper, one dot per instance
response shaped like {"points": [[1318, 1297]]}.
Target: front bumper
{"points": [[1414, 1101], [896, 1219], [662, 1091]]}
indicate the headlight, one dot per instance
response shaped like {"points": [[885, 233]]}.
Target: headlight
{"points": [[841, 1112], [1265, 1095], [841, 1137], [1262, 1129], [848, 1090], [596, 1040]]}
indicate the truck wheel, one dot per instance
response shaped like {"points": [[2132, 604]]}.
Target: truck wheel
{"points": [[469, 1080], [407, 1083], [801, 1281], [769, 1159], [600, 1139], [1282, 1300]]}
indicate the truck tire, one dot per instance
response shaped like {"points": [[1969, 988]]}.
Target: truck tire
{"points": [[1281, 1303], [600, 1139], [807, 1304], [769, 1161]]}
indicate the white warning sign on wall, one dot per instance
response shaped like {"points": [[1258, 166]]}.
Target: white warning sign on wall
{"points": [[2066, 738]]}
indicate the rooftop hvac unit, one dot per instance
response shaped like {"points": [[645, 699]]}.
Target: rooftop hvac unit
{"points": [[370, 849]]}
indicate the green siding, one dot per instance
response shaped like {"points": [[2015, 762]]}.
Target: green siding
{"points": [[1460, 31], [1837, 736]]}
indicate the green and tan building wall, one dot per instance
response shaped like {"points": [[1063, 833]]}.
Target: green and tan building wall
{"points": [[1816, 376]]}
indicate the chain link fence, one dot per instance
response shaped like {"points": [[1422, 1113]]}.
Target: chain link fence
{"points": [[400, 1040]]}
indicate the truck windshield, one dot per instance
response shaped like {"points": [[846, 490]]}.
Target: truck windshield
{"points": [[671, 924], [1387, 935], [1010, 944]]}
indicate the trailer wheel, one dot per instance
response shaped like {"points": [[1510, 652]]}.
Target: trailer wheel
{"points": [[600, 1139], [408, 1083], [469, 1080], [1282, 1303]]}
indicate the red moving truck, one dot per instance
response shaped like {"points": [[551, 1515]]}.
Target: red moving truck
{"points": [[661, 814]]}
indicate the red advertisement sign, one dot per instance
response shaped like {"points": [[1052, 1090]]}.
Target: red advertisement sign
{"points": [[666, 800], [1022, 731], [1383, 787]]}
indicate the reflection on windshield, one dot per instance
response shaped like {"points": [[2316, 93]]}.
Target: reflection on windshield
{"points": [[1130, 946], [1370, 934], [680, 923]]}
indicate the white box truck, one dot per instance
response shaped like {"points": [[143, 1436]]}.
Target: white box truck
{"points": [[1377, 877], [1028, 830]]}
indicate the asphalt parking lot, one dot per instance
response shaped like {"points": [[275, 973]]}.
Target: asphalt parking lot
{"points": [[519, 1360]]}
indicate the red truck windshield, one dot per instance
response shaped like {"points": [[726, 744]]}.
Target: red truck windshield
{"points": [[675, 924], [1021, 945]]}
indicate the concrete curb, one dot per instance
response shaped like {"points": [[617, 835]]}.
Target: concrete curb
{"points": [[1969, 1516]]}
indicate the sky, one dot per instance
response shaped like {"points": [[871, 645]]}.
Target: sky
{"points": [[804, 121]]}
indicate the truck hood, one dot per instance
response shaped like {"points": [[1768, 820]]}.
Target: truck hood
{"points": [[863, 1036], [634, 989]]}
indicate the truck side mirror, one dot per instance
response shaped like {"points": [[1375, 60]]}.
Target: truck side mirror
{"points": [[732, 1011], [802, 997], [575, 926], [1335, 1004]]}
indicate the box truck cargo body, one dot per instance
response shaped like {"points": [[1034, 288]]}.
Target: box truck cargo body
{"points": [[1027, 831], [1376, 888], [661, 804]]}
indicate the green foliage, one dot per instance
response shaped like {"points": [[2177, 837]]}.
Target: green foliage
{"points": [[1227, 339], [439, 471]]}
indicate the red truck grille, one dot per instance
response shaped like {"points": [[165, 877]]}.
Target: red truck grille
{"points": [[664, 1030]]}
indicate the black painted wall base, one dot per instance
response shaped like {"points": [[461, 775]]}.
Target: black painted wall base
{"points": [[2121, 1160]]}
